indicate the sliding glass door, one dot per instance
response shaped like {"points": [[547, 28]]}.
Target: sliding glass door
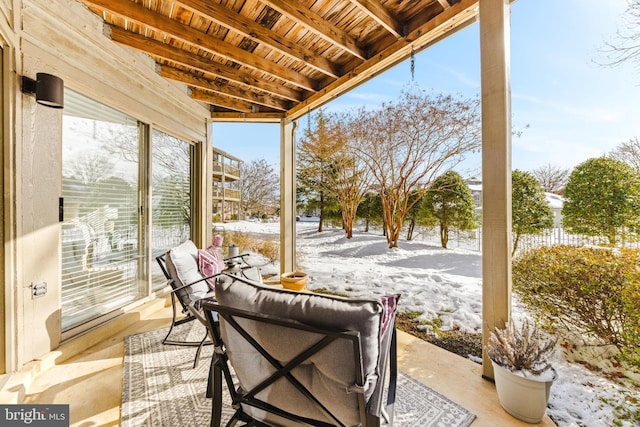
{"points": [[171, 201], [107, 159]]}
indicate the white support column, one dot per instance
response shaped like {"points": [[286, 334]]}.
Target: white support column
{"points": [[207, 191], [287, 196], [201, 232], [496, 168]]}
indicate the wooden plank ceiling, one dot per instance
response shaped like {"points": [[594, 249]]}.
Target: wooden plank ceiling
{"points": [[264, 60]]}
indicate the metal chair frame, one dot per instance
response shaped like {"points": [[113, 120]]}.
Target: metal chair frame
{"points": [[220, 367], [188, 309]]}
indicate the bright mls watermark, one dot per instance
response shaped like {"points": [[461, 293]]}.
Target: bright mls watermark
{"points": [[34, 415]]}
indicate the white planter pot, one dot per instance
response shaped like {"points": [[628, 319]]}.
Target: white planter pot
{"points": [[524, 398]]}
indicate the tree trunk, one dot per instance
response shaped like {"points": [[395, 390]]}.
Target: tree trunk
{"points": [[321, 212], [347, 222], [412, 226], [393, 238], [515, 244], [444, 235], [394, 234], [392, 225]]}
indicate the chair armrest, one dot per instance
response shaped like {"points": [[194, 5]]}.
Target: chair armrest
{"points": [[388, 360], [196, 281], [241, 256]]}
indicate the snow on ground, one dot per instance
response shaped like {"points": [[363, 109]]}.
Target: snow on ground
{"points": [[438, 283]]}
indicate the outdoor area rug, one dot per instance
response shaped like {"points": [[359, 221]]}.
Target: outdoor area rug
{"points": [[161, 387]]}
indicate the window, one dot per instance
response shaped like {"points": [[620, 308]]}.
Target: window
{"points": [[171, 201], [104, 246], [101, 268]]}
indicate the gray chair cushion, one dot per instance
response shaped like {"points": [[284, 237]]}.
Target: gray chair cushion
{"points": [[330, 374], [182, 265]]}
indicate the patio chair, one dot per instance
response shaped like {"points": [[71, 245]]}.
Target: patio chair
{"points": [[190, 286], [301, 358]]}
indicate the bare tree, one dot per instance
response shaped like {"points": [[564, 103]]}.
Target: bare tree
{"points": [[353, 184], [409, 142], [329, 168], [171, 166], [171, 155], [552, 178], [628, 152], [350, 178], [89, 168], [259, 186], [626, 46]]}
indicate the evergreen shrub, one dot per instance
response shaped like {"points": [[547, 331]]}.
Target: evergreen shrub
{"points": [[592, 291]]}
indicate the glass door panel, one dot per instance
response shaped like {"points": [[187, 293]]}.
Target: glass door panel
{"points": [[100, 229], [171, 197]]}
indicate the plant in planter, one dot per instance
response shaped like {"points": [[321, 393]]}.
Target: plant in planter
{"points": [[521, 357]]}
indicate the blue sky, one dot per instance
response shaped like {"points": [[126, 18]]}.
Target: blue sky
{"points": [[574, 108]]}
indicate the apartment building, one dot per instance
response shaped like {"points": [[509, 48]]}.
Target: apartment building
{"points": [[226, 197]]}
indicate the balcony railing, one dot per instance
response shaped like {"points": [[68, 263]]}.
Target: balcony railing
{"points": [[228, 193], [227, 169]]}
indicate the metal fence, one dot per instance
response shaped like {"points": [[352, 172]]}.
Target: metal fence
{"points": [[472, 240], [469, 240]]}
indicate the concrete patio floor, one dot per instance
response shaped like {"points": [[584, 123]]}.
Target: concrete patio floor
{"points": [[86, 373]]}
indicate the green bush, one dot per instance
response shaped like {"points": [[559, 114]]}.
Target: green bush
{"points": [[593, 291]]}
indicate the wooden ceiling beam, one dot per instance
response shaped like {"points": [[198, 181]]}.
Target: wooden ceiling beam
{"points": [[260, 34], [197, 62], [314, 22], [163, 24], [220, 67], [381, 15], [223, 101], [416, 28], [424, 21], [421, 35], [445, 4], [247, 117], [181, 76]]}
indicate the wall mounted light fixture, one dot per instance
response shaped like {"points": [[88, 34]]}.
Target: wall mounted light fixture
{"points": [[49, 89]]}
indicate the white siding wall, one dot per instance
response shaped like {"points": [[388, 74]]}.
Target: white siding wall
{"points": [[6, 10], [62, 37]]}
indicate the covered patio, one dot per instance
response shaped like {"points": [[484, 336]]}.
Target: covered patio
{"points": [[176, 66], [279, 60], [88, 373]]}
